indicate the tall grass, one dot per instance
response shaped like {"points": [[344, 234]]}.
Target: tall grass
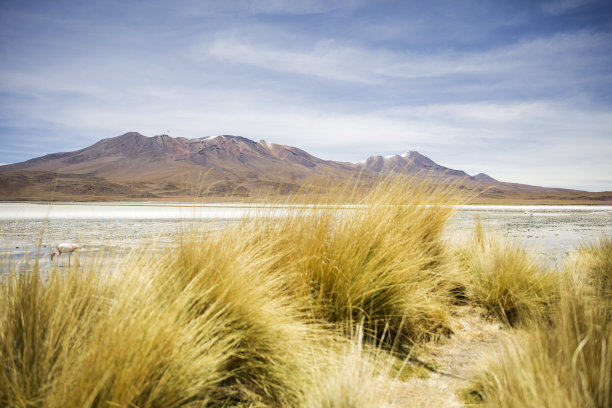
{"points": [[511, 282], [166, 332], [256, 314], [381, 261], [595, 260], [41, 325], [567, 363]]}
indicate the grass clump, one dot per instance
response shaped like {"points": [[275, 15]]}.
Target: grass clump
{"points": [[190, 328], [381, 261], [197, 327], [273, 341], [42, 326], [507, 279], [595, 260], [567, 363]]}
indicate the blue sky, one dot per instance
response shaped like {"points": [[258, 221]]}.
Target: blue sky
{"points": [[521, 90]]}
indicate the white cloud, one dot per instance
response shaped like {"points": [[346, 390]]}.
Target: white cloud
{"points": [[549, 59], [324, 60]]}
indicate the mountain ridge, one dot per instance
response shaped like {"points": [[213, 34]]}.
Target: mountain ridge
{"points": [[136, 166], [225, 147]]}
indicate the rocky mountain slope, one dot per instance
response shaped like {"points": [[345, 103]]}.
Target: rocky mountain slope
{"points": [[134, 156]]}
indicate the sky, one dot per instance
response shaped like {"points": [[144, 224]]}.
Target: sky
{"points": [[520, 90]]}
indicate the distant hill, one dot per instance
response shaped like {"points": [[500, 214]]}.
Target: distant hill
{"points": [[133, 166]]}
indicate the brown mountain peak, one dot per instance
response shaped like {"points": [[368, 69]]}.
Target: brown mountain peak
{"points": [[163, 166], [483, 177]]}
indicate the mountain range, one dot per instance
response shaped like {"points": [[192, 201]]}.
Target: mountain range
{"points": [[133, 166]]}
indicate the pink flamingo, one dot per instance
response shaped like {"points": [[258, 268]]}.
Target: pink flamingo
{"points": [[65, 248]]}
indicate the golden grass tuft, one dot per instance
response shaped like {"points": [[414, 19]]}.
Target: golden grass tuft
{"points": [[510, 281], [186, 329], [595, 260], [381, 261], [565, 363], [43, 324]]}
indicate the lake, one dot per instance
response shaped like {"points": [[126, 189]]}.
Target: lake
{"points": [[116, 228]]}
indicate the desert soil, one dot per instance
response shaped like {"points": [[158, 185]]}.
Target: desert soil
{"points": [[455, 360]]}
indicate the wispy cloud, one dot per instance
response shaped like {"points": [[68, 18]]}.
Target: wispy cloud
{"points": [[551, 60], [324, 60]]}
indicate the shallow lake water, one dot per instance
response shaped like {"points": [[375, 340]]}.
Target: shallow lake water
{"points": [[108, 230], [552, 231]]}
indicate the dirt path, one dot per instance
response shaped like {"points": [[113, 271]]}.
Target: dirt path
{"points": [[473, 337]]}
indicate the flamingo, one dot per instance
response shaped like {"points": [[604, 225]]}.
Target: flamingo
{"points": [[65, 248]]}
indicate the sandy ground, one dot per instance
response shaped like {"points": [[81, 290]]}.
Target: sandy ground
{"points": [[455, 359]]}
